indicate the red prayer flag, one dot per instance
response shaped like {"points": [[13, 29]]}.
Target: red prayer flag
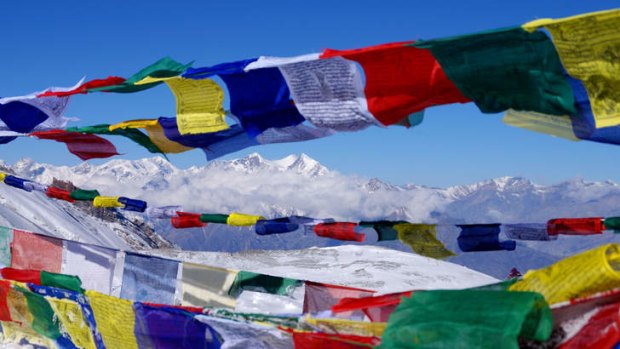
{"points": [[601, 331], [378, 309], [339, 230], [187, 220], [5, 313], [84, 146], [59, 194], [32, 251], [320, 297], [575, 226], [22, 275], [401, 80], [318, 340], [83, 88]]}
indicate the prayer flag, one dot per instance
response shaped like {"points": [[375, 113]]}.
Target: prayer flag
{"points": [[467, 318], [84, 195], [612, 223], [575, 226], [199, 105], [165, 327], [93, 264], [22, 275], [163, 212], [131, 133], [84, 146], [339, 230], [132, 204], [505, 69], [83, 88], [401, 80], [107, 201], [317, 340], [329, 93], [15, 182], [242, 219], [30, 186], [264, 62], [115, 320], [70, 315], [556, 125], [385, 229], [274, 226], [248, 281], [6, 238], [214, 218], [320, 297], [482, 237], [377, 308], [527, 231], [66, 282], [187, 220], [587, 46], [222, 68], [346, 326], [580, 275], [42, 313], [205, 286], [24, 114], [297, 133], [149, 279], [59, 194], [32, 251], [242, 335], [422, 238], [5, 313]]}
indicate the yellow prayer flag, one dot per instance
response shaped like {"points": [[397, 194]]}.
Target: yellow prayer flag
{"points": [[107, 201], [2, 175], [589, 272], [115, 320], [422, 238], [16, 333], [345, 326], [199, 105], [70, 315], [242, 220], [589, 47], [150, 80], [559, 126], [139, 123], [157, 136]]}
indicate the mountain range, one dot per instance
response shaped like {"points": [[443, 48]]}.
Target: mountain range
{"points": [[298, 184]]}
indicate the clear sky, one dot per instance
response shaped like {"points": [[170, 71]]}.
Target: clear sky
{"points": [[55, 43]]}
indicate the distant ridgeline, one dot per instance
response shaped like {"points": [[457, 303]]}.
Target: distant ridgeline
{"points": [[67, 294], [558, 77]]}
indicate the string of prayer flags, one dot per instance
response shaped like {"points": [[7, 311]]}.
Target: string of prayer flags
{"points": [[163, 211], [199, 105], [149, 279], [84, 146], [205, 286], [132, 204], [385, 229], [163, 68], [94, 265], [187, 220], [242, 219], [468, 318], [422, 238], [505, 69], [30, 251], [115, 320], [107, 201], [482, 237], [260, 100], [130, 133], [84, 195], [575, 226], [275, 226], [528, 231], [401, 80], [329, 93], [248, 281], [587, 273], [587, 45], [612, 223], [60, 194]]}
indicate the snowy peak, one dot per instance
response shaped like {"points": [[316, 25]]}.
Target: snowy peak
{"points": [[300, 164]]}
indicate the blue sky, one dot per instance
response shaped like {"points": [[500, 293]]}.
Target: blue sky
{"points": [[57, 43]]}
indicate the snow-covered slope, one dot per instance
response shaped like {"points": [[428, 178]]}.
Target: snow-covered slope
{"points": [[370, 267]]}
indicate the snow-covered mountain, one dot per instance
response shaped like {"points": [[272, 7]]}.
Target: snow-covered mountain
{"points": [[300, 185]]}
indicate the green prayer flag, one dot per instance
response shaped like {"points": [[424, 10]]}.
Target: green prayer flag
{"points": [[42, 313], [67, 282], [134, 134], [6, 237], [249, 281], [422, 238], [385, 229], [467, 319], [612, 223], [164, 68], [506, 69], [214, 218], [84, 195], [499, 286]]}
